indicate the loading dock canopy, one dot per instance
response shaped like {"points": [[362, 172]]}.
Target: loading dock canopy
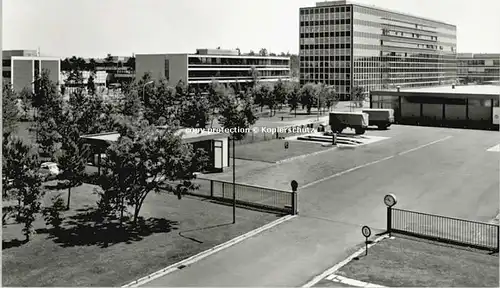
{"points": [[466, 91]]}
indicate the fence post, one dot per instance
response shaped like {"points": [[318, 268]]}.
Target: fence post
{"points": [[498, 238], [211, 188], [223, 191], [389, 220], [295, 204]]}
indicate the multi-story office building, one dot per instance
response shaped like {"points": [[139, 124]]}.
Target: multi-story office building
{"points": [[20, 68], [206, 65], [478, 68], [346, 45]]}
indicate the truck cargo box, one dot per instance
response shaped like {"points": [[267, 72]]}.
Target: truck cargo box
{"points": [[382, 118], [341, 120]]}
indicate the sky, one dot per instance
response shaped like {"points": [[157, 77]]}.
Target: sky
{"points": [[94, 28]]}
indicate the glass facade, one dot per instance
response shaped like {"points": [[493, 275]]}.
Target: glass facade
{"points": [[478, 67], [349, 45]]}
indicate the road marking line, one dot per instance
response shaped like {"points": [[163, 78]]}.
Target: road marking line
{"points": [[495, 148], [425, 145], [304, 156], [352, 282], [373, 162], [334, 269], [206, 253]]}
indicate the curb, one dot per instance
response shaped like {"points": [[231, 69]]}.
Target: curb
{"points": [[341, 264], [206, 253]]}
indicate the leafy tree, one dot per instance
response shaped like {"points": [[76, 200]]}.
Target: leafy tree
{"points": [[263, 52], [72, 160], [330, 96], [92, 66], [294, 97], [50, 113], [52, 215], [130, 63], [131, 105], [195, 111], [10, 110], [21, 180], [236, 114], [254, 73], [251, 53], [358, 95], [262, 94], [294, 65], [91, 85], [281, 91], [308, 95], [146, 158]]}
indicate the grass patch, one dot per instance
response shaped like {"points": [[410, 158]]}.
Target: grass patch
{"points": [[88, 252], [274, 150], [411, 262]]}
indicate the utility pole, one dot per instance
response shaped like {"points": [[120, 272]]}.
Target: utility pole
{"points": [[234, 181]]}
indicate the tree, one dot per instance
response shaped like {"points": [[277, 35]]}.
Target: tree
{"points": [[251, 53], [281, 90], [50, 113], [330, 96], [262, 94], [195, 111], [308, 95], [92, 65], [236, 115], [132, 105], [72, 160], [358, 95], [130, 63], [21, 180], [91, 85], [294, 97], [10, 110], [254, 73], [294, 65], [52, 215], [145, 158], [263, 52]]}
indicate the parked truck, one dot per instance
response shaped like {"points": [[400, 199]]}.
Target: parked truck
{"points": [[382, 118], [356, 120]]}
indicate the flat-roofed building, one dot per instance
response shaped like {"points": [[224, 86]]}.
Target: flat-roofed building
{"points": [[346, 44], [472, 106], [21, 67], [479, 68], [206, 65]]}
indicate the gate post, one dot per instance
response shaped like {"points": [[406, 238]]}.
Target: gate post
{"points": [[295, 208], [389, 201], [389, 220]]}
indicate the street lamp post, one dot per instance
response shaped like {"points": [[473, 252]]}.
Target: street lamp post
{"points": [[234, 182], [144, 89]]}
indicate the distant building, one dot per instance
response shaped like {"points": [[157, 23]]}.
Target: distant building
{"points": [[347, 44], [206, 65], [479, 68], [21, 67]]}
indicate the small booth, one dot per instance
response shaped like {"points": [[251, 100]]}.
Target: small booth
{"points": [[215, 144]]}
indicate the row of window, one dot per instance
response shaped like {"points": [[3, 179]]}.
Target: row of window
{"points": [[325, 34], [235, 61], [325, 22], [326, 46], [339, 9], [225, 73], [435, 100], [325, 70], [476, 62], [325, 58], [374, 24], [334, 64]]}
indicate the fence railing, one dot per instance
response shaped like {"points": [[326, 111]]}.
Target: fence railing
{"points": [[445, 229], [262, 198]]}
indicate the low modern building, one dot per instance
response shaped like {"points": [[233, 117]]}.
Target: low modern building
{"points": [[215, 144], [478, 68], [351, 45], [468, 106], [21, 67], [206, 65]]}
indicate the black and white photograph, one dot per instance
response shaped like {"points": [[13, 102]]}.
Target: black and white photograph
{"points": [[250, 143]]}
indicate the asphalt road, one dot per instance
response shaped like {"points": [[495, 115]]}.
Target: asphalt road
{"points": [[443, 171]]}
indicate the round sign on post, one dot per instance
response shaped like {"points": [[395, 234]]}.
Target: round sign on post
{"points": [[294, 185], [286, 145], [367, 232], [390, 200]]}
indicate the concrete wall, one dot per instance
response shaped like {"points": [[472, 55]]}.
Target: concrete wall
{"points": [[22, 72], [150, 63], [178, 68], [53, 67]]}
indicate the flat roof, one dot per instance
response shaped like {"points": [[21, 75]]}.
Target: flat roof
{"points": [[188, 135], [462, 91]]}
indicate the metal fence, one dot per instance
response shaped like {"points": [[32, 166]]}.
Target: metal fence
{"points": [[268, 199], [445, 229]]}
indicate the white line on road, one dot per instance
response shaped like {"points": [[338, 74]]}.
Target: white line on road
{"points": [[334, 269], [374, 162], [206, 253], [351, 282], [425, 145]]}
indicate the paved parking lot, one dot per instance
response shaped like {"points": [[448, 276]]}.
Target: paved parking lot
{"points": [[434, 170]]}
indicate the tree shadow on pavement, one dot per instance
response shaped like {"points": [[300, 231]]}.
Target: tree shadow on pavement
{"points": [[88, 228]]}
